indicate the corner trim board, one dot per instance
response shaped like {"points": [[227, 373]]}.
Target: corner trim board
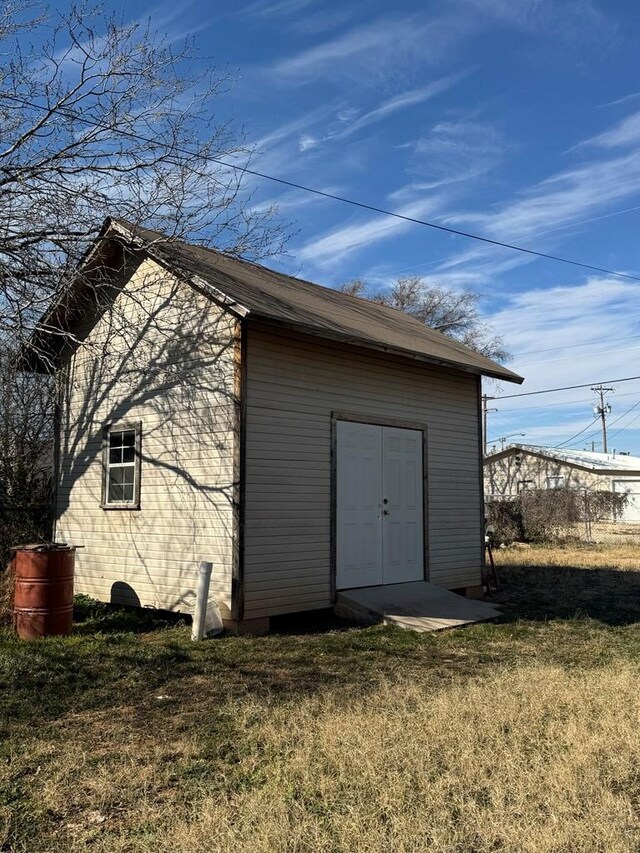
{"points": [[239, 472]]}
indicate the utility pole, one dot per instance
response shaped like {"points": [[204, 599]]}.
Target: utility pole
{"points": [[485, 412], [602, 410]]}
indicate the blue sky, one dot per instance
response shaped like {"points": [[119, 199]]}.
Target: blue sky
{"points": [[515, 119]]}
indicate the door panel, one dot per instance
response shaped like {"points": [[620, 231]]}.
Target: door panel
{"points": [[402, 505], [379, 499], [358, 510]]}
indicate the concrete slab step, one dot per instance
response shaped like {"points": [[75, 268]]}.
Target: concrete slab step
{"points": [[416, 606]]}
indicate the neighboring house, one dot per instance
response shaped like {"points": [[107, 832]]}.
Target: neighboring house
{"points": [[523, 466], [301, 439]]}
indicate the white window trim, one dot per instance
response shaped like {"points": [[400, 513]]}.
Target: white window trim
{"points": [[134, 504]]}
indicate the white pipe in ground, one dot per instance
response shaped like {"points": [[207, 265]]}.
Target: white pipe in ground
{"points": [[202, 596]]}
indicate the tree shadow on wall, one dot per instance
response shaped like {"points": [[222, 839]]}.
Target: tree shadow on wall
{"points": [[153, 350]]}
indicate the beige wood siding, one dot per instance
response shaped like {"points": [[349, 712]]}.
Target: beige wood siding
{"points": [[293, 385], [164, 356]]}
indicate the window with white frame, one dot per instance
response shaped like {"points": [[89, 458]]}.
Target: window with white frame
{"points": [[121, 466], [555, 482]]}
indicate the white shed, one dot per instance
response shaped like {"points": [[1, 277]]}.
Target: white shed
{"points": [[301, 439]]}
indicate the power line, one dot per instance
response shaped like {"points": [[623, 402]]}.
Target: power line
{"points": [[571, 357], [564, 388], [577, 434], [626, 426], [322, 193], [624, 414], [574, 346], [615, 421], [565, 404]]}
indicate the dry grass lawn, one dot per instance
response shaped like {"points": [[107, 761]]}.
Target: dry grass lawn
{"points": [[523, 735]]}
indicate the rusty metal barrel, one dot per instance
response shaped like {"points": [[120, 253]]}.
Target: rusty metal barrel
{"points": [[43, 597]]}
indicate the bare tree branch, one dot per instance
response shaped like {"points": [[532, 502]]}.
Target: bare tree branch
{"points": [[101, 117]]}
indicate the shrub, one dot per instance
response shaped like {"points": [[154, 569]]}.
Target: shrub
{"points": [[504, 520], [605, 506], [549, 515]]}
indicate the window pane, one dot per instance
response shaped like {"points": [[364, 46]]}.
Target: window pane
{"points": [[115, 492], [115, 439], [128, 454], [116, 475], [129, 438], [115, 455], [127, 491]]}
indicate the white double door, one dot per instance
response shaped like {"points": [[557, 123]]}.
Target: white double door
{"points": [[379, 505]]}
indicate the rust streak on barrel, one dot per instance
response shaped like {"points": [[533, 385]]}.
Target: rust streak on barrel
{"points": [[43, 601]]}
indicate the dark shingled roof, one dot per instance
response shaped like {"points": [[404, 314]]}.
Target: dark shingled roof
{"points": [[300, 305]]}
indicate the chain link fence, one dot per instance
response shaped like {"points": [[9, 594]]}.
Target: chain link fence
{"points": [[565, 515]]}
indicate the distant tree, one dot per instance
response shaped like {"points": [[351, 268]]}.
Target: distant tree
{"points": [[453, 312]]}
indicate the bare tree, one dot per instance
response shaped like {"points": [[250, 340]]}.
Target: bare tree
{"points": [[26, 455], [453, 312], [104, 118], [98, 118]]}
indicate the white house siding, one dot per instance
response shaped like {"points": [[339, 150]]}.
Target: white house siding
{"points": [[293, 385], [505, 476], [163, 356]]}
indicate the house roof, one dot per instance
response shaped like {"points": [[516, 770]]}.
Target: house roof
{"points": [[258, 292], [599, 463]]}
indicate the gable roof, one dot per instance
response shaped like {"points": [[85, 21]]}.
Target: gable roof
{"points": [[598, 463], [255, 291]]}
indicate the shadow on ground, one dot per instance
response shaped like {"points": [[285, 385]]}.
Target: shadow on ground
{"points": [[96, 617], [609, 595]]}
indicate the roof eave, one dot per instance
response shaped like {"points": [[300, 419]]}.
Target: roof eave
{"points": [[608, 472]]}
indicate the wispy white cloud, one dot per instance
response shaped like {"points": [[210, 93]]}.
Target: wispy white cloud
{"points": [[378, 49], [348, 122], [339, 242], [551, 205], [401, 102], [269, 8], [325, 19], [457, 150], [570, 21], [625, 133], [623, 100]]}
